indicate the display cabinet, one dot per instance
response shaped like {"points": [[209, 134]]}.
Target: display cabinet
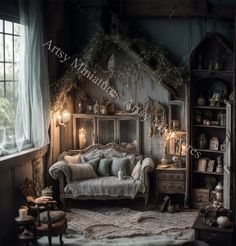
{"points": [[210, 87], [106, 130], [103, 129], [83, 131]]}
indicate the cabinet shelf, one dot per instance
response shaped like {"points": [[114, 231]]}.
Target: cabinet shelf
{"points": [[210, 107], [208, 173], [210, 126], [206, 71], [211, 151]]}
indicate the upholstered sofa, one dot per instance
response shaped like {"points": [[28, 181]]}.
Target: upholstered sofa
{"points": [[99, 186]]}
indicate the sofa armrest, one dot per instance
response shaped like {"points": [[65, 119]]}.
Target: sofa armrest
{"points": [[60, 169], [147, 167]]}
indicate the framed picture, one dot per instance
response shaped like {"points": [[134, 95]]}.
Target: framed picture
{"points": [[210, 165], [176, 143], [202, 164]]}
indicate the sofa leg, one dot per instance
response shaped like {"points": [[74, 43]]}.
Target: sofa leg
{"points": [[146, 201], [63, 203]]}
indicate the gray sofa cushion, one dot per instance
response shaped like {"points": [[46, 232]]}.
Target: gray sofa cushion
{"points": [[119, 163], [104, 168], [91, 155], [104, 186]]}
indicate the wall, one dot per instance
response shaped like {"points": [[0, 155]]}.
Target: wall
{"points": [[177, 36], [13, 172]]}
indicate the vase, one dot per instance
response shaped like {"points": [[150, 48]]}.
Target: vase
{"points": [[219, 192], [201, 101], [219, 168], [120, 174], [223, 221], [202, 141], [214, 143]]}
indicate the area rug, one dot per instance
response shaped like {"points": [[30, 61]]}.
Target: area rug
{"points": [[110, 222]]}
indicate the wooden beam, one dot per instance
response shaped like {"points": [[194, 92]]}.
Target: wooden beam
{"points": [[180, 8]]}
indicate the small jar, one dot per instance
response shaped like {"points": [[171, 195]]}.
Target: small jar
{"points": [[198, 119], [202, 141], [201, 101], [219, 192]]}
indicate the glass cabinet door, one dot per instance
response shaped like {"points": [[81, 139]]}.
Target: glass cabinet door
{"points": [[106, 131], [129, 134], [84, 131]]}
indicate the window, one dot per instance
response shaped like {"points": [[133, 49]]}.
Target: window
{"points": [[9, 80]]}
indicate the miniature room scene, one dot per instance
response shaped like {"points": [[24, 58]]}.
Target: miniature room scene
{"points": [[117, 122]]}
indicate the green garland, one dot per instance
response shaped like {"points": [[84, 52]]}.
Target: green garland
{"points": [[147, 53]]}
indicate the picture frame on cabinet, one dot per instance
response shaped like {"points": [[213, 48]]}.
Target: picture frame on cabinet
{"points": [[202, 164], [210, 165]]}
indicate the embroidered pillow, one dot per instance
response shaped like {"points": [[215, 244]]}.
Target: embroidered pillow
{"points": [[94, 163], [132, 163], [79, 172], [137, 171], [119, 163], [91, 155], [72, 159], [104, 168]]}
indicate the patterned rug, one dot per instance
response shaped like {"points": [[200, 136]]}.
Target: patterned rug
{"points": [[106, 223]]}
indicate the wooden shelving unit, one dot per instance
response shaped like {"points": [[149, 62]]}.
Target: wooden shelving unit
{"points": [[209, 75]]}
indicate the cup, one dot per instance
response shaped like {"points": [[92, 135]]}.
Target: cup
{"points": [[222, 147]]}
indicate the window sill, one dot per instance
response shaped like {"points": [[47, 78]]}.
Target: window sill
{"points": [[15, 159]]}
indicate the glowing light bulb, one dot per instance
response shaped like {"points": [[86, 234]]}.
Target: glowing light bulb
{"points": [[66, 116]]}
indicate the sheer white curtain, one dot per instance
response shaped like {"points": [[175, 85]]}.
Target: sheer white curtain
{"points": [[32, 115]]}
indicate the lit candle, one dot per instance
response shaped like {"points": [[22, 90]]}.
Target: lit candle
{"points": [[82, 138], [23, 212]]}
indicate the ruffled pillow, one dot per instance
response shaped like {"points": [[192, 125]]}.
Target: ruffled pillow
{"points": [[74, 159], [137, 171]]}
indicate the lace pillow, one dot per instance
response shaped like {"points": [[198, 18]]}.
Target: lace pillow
{"points": [[137, 171], [109, 153], [72, 159], [91, 155], [79, 172]]}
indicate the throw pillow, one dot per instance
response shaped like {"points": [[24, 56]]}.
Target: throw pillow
{"points": [[79, 172], [54, 215], [137, 171], [119, 163], [132, 163], [104, 167], [72, 159], [93, 154], [94, 163]]}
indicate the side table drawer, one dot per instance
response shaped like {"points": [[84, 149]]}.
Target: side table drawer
{"points": [[165, 175], [171, 187]]}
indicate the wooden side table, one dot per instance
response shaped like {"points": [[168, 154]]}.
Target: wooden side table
{"points": [[170, 180], [212, 235], [26, 230]]}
